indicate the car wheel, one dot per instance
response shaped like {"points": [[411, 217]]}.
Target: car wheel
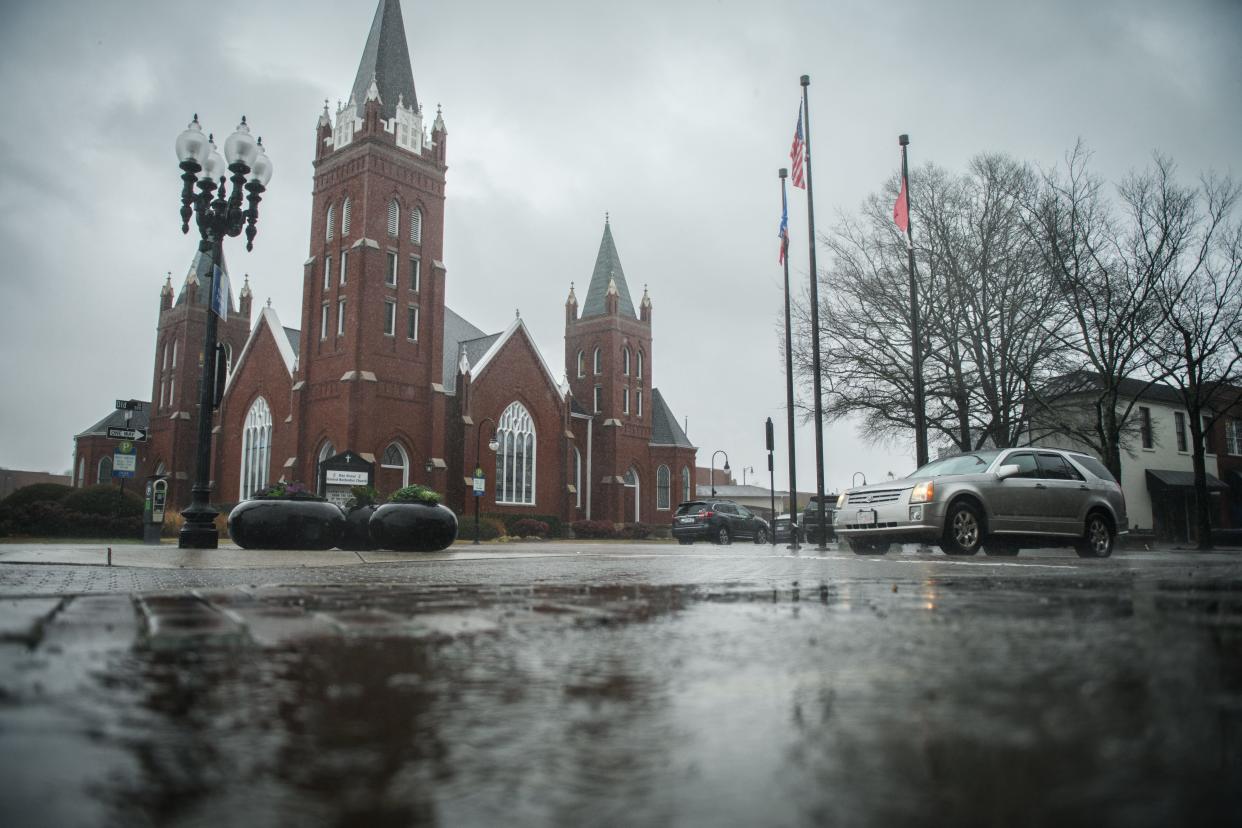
{"points": [[722, 536], [761, 535], [963, 530], [1000, 549], [868, 547], [685, 541], [1098, 540]]}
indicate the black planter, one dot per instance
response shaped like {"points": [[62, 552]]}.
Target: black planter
{"points": [[413, 527], [357, 536], [286, 524]]}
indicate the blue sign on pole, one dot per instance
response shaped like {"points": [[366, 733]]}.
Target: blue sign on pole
{"points": [[125, 460], [479, 483]]}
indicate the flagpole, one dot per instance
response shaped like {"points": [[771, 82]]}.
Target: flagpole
{"points": [[819, 405], [789, 395], [920, 420]]}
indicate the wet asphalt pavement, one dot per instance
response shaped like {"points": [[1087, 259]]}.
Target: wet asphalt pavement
{"points": [[627, 685]]}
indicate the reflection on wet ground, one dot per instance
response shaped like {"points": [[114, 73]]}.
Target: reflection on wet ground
{"points": [[1014, 701]]}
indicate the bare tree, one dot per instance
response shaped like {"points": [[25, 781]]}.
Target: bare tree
{"points": [[1107, 283], [1188, 235], [984, 301]]}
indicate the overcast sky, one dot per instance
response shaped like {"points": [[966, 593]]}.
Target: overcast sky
{"points": [[671, 116]]}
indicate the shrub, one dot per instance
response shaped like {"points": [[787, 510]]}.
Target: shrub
{"points": [[104, 500], [360, 496], [173, 521], [634, 531], [415, 494], [281, 490], [556, 528], [490, 527], [594, 529], [52, 492], [529, 528]]}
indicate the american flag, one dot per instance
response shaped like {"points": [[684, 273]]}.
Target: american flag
{"points": [[797, 152]]}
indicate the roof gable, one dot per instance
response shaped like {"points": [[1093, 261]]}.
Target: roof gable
{"points": [[280, 336], [664, 428], [498, 345]]}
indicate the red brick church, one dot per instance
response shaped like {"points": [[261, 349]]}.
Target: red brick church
{"points": [[383, 372]]}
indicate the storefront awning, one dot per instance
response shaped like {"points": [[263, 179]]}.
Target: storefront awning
{"points": [[1164, 479]]}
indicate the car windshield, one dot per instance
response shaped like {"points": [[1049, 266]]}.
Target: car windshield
{"points": [[972, 463], [691, 508]]}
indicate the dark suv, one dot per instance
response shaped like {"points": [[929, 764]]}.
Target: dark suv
{"points": [[719, 521], [810, 519]]}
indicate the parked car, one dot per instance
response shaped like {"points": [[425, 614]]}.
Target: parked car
{"points": [[998, 500], [810, 518], [784, 529], [720, 521]]}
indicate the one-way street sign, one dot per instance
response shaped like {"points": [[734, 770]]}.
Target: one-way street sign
{"points": [[139, 434]]}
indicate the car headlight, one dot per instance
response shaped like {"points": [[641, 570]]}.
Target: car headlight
{"points": [[923, 492]]}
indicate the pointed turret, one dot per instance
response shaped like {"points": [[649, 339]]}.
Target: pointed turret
{"points": [[644, 307], [166, 293], [571, 306], [386, 63], [611, 299], [244, 298], [607, 270], [323, 132]]}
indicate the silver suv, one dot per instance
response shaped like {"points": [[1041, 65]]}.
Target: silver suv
{"points": [[999, 500]]}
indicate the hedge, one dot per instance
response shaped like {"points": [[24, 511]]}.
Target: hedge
{"points": [[34, 493], [104, 500]]}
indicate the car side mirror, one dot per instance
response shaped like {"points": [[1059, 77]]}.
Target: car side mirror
{"points": [[1008, 470]]}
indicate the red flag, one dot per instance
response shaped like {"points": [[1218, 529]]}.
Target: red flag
{"points": [[901, 210], [796, 154]]}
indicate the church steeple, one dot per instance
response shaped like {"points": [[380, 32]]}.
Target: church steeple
{"points": [[607, 271], [386, 63]]}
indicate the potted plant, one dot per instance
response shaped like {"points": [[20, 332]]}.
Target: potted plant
{"points": [[286, 516], [414, 520], [362, 503]]}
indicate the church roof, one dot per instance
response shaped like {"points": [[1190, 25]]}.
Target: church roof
{"points": [[116, 419], [607, 269], [664, 428], [196, 280], [386, 58], [458, 333]]}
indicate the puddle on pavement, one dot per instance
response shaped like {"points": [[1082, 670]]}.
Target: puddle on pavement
{"points": [[868, 702]]}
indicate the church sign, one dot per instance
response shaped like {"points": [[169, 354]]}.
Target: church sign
{"points": [[339, 474]]}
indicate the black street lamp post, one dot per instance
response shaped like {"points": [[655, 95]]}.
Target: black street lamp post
{"points": [[218, 213], [478, 467], [726, 467]]}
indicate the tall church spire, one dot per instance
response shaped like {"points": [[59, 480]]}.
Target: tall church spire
{"points": [[386, 60], [607, 271]]}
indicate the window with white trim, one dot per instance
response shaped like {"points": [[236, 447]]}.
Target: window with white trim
{"points": [[411, 323], [515, 456], [390, 278], [331, 229], [165, 368], [172, 382], [162, 390], [625, 361], [175, 343], [640, 402], [599, 399], [597, 362], [390, 317], [104, 473], [395, 458], [416, 274], [664, 485], [323, 322], [340, 317], [577, 478], [345, 215], [394, 217], [81, 472], [625, 402], [582, 363], [327, 272], [1145, 432], [640, 363], [416, 226], [685, 484], [1179, 426], [256, 441], [1233, 436], [344, 265]]}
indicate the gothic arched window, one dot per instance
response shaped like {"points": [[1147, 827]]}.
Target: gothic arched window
{"points": [[625, 361], [597, 362], [582, 363], [105, 470], [577, 478], [663, 486], [416, 226], [256, 457], [396, 458], [515, 458], [345, 216], [640, 364], [331, 231], [685, 483], [394, 217]]}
